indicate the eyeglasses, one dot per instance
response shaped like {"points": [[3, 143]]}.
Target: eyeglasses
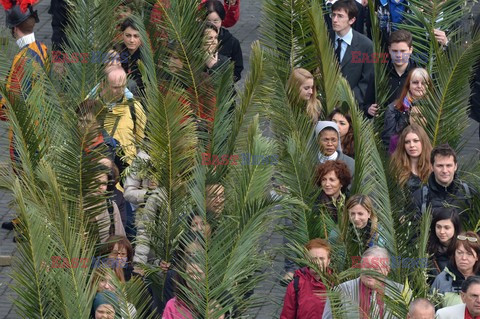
{"points": [[470, 239]]}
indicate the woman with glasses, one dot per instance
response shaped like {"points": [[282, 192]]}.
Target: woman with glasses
{"points": [[398, 114], [463, 265], [444, 230]]}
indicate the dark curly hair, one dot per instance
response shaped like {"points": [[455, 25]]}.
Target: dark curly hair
{"points": [[340, 169]]}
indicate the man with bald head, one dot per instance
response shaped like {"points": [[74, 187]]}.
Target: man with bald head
{"points": [[125, 119], [421, 308]]}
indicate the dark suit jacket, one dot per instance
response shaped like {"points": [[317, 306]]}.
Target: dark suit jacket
{"points": [[359, 75]]}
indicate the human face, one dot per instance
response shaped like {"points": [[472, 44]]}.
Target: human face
{"points": [[175, 64], [306, 89], [331, 184], [120, 254], [105, 311], [116, 86], [343, 125], [359, 216], [105, 284], [340, 22], [413, 146], [87, 122], [199, 225], [465, 259], [378, 264], [400, 53], [471, 299], [131, 38], [328, 142], [195, 272], [418, 87], [445, 231], [214, 19], [102, 179], [210, 40], [320, 257], [215, 198], [444, 168]]}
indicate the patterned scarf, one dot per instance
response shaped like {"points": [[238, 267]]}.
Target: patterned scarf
{"points": [[407, 103], [365, 302]]}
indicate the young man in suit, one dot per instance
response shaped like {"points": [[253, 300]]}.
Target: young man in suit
{"points": [[354, 51]]}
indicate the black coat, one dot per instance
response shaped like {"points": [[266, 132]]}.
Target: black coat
{"points": [[438, 196], [395, 81], [359, 75], [230, 47], [130, 65], [395, 122]]}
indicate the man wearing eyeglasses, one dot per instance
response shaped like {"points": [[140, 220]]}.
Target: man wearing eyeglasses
{"points": [[470, 295]]}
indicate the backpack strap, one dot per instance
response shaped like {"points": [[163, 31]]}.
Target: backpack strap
{"points": [[424, 199], [467, 190], [296, 280], [133, 114]]}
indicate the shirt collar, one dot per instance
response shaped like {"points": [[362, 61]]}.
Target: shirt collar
{"points": [[26, 40], [347, 37]]}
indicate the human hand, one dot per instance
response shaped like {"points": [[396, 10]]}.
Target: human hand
{"points": [[138, 270], [212, 60], [232, 2], [441, 36], [373, 110], [364, 3]]}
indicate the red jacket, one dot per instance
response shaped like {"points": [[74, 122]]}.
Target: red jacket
{"points": [[232, 12], [311, 297]]}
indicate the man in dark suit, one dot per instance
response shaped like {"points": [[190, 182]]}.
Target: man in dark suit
{"points": [[354, 50]]}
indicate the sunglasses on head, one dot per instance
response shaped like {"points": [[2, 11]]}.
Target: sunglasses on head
{"points": [[470, 239]]}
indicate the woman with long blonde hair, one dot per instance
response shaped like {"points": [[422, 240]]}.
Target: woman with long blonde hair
{"points": [[303, 82], [359, 210], [410, 162]]}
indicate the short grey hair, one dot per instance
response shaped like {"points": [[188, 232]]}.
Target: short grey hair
{"points": [[377, 252], [422, 303]]}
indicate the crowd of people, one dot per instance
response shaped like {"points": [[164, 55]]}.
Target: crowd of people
{"points": [[115, 120]]}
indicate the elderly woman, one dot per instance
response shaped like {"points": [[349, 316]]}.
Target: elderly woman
{"points": [[364, 295], [328, 137], [463, 265], [334, 178]]}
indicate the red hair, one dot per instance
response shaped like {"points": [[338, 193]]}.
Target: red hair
{"points": [[318, 243]]}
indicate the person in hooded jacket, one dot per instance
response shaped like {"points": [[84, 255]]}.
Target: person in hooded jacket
{"points": [[328, 137], [229, 46], [305, 297]]}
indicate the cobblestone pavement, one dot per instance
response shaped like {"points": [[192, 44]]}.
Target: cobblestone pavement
{"points": [[246, 31]]}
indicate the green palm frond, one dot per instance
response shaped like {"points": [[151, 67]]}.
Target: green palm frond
{"points": [[445, 110]]}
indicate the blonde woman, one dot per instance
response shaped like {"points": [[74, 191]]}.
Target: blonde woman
{"points": [[359, 209], [302, 81], [404, 110]]}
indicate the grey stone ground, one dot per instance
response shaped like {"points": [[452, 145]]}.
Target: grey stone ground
{"points": [[246, 31]]}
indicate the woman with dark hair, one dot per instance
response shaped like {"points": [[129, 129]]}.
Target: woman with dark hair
{"points": [[130, 54], [119, 252], [398, 114], [229, 46], [410, 162], [444, 230], [463, 264], [344, 123], [334, 178]]}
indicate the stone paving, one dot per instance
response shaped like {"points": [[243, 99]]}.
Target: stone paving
{"points": [[246, 30]]}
